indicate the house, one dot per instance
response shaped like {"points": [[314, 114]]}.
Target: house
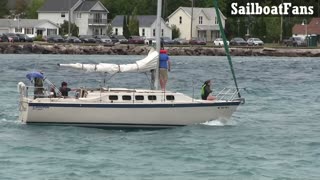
{"points": [[204, 22], [147, 26], [304, 29], [31, 27], [90, 16]]}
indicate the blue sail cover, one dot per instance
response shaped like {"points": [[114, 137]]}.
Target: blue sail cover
{"points": [[33, 75]]}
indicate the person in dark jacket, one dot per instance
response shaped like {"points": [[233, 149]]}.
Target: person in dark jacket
{"points": [[206, 91], [38, 87], [64, 89]]}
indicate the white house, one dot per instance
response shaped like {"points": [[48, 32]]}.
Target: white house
{"points": [[204, 23], [90, 16], [147, 26], [30, 27]]}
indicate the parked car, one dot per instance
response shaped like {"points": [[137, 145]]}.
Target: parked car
{"points": [[122, 39], [54, 38], [295, 41], [114, 39], [104, 39], [1, 38], [255, 42], [238, 42], [167, 40], [180, 41], [150, 41], [73, 39], [219, 42], [10, 37], [136, 40], [87, 39], [24, 38], [197, 41]]}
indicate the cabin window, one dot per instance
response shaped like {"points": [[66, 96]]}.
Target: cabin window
{"points": [[152, 98], [116, 31], [170, 97], [180, 20], [126, 98], [154, 32], [63, 14], [139, 98], [162, 32], [143, 32], [215, 20], [200, 19], [113, 97]]}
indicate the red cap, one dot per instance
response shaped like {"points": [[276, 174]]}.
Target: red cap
{"points": [[163, 51]]}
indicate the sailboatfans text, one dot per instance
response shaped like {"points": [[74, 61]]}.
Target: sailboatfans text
{"points": [[282, 9]]}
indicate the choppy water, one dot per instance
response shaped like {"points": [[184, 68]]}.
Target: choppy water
{"points": [[275, 135]]}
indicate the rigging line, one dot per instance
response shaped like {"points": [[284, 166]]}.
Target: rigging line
{"points": [[226, 45]]}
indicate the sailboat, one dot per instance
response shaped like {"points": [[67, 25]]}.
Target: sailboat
{"points": [[127, 108]]}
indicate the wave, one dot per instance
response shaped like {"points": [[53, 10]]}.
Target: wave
{"points": [[219, 122]]}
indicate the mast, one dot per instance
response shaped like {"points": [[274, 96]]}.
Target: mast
{"points": [[158, 31], [226, 48]]}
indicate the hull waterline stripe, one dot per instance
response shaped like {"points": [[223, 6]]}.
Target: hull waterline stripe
{"points": [[124, 125], [133, 105]]}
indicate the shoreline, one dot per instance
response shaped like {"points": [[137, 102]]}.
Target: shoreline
{"points": [[129, 49]]}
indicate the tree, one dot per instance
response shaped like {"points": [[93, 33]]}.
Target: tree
{"points": [[126, 31], [33, 8], [134, 23], [63, 30], [175, 32], [3, 8], [21, 6], [109, 30]]}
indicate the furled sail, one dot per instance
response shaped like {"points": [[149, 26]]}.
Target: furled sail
{"points": [[143, 65]]}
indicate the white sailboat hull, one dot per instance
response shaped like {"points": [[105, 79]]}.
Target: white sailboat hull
{"points": [[126, 115]]}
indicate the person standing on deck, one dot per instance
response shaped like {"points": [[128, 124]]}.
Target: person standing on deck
{"points": [[38, 87], [164, 67], [206, 91]]}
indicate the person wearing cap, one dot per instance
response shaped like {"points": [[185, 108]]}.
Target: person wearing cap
{"points": [[206, 91], [38, 87], [164, 67], [64, 89]]}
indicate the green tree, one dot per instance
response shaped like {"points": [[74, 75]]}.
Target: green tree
{"points": [[3, 8], [126, 31], [33, 8], [63, 30], [109, 30], [175, 32], [134, 23], [21, 6]]}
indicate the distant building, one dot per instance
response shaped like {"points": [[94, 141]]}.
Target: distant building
{"points": [[304, 29], [147, 26], [90, 16], [204, 23], [31, 27]]}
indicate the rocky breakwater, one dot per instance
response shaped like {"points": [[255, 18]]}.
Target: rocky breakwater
{"points": [[124, 49]]}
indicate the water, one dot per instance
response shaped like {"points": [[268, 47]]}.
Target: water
{"points": [[275, 135]]}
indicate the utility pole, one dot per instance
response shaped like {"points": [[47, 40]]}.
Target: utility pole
{"points": [[191, 19], [69, 23], [281, 25]]}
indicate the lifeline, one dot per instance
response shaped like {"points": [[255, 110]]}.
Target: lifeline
{"points": [[282, 9]]}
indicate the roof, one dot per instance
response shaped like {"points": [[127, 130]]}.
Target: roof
{"points": [[209, 12], [25, 23], [87, 5], [57, 5], [312, 28], [144, 20]]}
